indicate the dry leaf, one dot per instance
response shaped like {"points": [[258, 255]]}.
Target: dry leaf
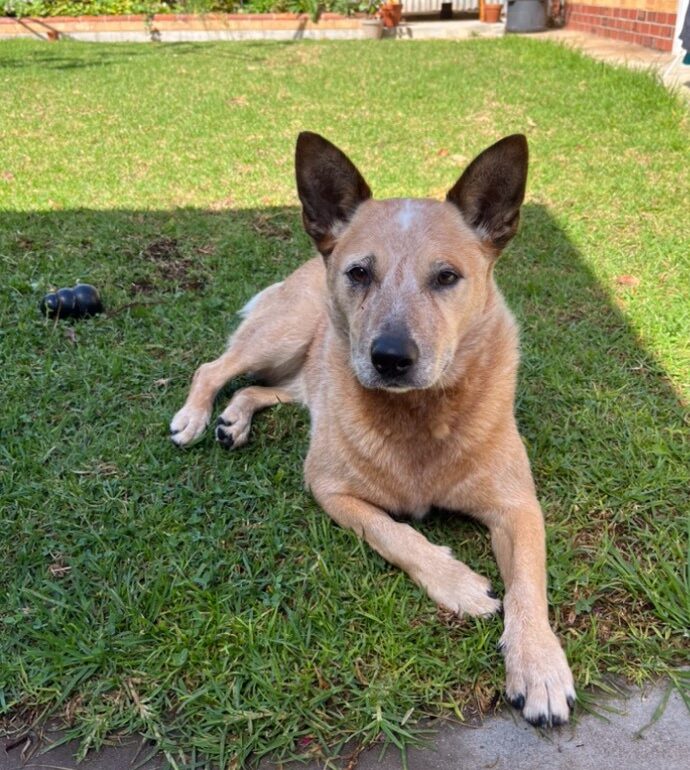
{"points": [[222, 204], [627, 280], [58, 569]]}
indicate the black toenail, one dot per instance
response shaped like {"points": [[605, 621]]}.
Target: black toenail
{"points": [[501, 647], [225, 439], [541, 721], [517, 702], [570, 700], [174, 432], [492, 594], [557, 721], [221, 421]]}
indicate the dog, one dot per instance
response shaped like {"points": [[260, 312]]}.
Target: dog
{"points": [[400, 344]]}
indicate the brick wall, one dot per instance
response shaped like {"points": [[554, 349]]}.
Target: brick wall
{"points": [[645, 22]]}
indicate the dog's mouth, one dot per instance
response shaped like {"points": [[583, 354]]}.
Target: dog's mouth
{"points": [[370, 379], [422, 376], [397, 388]]}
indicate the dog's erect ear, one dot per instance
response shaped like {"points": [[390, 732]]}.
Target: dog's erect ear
{"points": [[329, 186], [490, 192]]}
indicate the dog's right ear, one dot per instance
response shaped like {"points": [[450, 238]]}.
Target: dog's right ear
{"points": [[330, 189]]}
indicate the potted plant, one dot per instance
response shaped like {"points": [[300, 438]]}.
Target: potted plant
{"points": [[391, 13], [372, 26], [492, 13]]}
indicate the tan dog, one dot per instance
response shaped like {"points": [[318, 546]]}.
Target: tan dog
{"points": [[401, 346]]}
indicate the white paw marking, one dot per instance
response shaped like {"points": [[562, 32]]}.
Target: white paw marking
{"points": [[455, 586], [188, 425], [538, 678]]}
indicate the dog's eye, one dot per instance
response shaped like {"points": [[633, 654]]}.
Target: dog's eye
{"points": [[359, 275], [447, 277]]}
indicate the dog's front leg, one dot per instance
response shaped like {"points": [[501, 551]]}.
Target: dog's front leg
{"points": [[448, 581], [188, 425], [538, 679]]}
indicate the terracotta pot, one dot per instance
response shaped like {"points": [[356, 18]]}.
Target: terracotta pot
{"points": [[492, 13], [391, 13]]}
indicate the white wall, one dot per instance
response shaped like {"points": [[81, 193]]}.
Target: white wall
{"points": [[682, 9], [434, 6]]}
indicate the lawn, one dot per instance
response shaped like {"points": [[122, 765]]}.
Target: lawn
{"points": [[201, 597]]}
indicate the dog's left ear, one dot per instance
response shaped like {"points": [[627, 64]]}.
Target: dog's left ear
{"points": [[491, 190], [330, 188]]}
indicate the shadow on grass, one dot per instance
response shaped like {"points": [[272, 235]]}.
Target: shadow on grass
{"points": [[90, 473], [55, 57]]}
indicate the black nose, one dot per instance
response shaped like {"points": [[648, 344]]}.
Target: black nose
{"points": [[393, 354]]}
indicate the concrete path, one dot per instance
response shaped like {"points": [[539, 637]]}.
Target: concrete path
{"points": [[506, 742], [452, 29], [624, 740]]}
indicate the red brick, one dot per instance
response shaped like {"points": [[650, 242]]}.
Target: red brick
{"points": [[657, 30]]}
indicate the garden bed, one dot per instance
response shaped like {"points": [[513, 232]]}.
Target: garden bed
{"points": [[168, 27]]}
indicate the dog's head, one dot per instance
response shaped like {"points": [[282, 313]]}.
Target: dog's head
{"points": [[408, 278]]}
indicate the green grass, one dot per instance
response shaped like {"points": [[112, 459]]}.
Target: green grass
{"points": [[201, 597]]}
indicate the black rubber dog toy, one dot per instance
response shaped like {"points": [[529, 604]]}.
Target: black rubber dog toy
{"points": [[79, 302]]}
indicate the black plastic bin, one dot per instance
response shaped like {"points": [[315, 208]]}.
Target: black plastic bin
{"points": [[526, 16]]}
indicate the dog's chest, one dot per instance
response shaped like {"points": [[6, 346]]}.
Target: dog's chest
{"points": [[408, 469], [405, 463]]}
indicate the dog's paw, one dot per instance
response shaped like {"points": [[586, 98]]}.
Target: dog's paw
{"points": [[538, 678], [188, 425], [453, 585], [232, 428]]}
